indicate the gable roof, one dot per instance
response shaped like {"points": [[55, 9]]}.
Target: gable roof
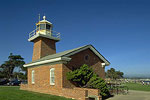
{"points": [[65, 55]]}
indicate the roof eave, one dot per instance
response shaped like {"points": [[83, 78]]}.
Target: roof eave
{"points": [[48, 61], [107, 63]]}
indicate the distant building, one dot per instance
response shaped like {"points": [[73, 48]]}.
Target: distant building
{"points": [[47, 71]]}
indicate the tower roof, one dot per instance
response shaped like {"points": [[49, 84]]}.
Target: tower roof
{"points": [[44, 20]]}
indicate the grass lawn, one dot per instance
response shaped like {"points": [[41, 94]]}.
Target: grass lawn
{"points": [[14, 93], [139, 87]]}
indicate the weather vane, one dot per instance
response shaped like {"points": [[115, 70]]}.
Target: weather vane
{"points": [[39, 17]]}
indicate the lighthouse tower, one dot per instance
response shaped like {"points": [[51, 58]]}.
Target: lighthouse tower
{"points": [[44, 39]]}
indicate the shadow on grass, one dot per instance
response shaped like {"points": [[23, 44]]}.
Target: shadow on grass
{"points": [[107, 97]]}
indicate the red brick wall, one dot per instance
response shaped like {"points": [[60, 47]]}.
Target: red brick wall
{"points": [[78, 60], [43, 47], [42, 76], [74, 93], [36, 49]]}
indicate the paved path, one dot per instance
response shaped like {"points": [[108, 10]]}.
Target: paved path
{"points": [[132, 95]]}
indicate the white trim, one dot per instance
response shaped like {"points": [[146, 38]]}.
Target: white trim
{"points": [[43, 21], [33, 76], [52, 69], [78, 51], [48, 61], [39, 34], [103, 64], [100, 56]]}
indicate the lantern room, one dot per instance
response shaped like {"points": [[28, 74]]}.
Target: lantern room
{"points": [[44, 29]]}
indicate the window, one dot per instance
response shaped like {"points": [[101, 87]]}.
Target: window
{"points": [[33, 77], [86, 57], [47, 27], [42, 26], [52, 76]]}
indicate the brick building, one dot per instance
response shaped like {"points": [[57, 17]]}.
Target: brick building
{"points": [[47, 71]]}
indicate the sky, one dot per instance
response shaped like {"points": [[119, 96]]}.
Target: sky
{"points": [[118, 29]]}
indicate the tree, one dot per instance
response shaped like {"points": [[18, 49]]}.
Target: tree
{"points": [[113, 74], [120, 74], [98, 83], [80, 76], [19, 75], [2, 75], [85, 77], [13, 61]]}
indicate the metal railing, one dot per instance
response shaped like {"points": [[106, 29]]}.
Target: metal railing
{"points": [[117, 89], [33, 33], [53, 33]]}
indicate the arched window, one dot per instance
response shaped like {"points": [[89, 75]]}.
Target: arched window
{"points": [[52, 76], [33, 77]]}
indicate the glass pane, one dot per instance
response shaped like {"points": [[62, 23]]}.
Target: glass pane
{"points": [[42, 26], [52, 76], [52, 73], [47, 26], [52, 79], [32, 76]]}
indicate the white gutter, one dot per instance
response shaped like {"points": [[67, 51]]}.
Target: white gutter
{"points": [[48, 61]]}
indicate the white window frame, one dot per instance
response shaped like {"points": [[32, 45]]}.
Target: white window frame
{"points": [[33, 76], [52, 75]]}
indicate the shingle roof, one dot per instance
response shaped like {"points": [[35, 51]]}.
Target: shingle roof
{"points": [[72, 52]]}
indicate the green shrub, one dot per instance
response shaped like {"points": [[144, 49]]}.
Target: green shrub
{"points": [[80, 76], [85, 77], [98, 83]]}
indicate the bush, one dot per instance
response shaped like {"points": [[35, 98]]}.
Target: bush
{"points": [[98, 83], [85, 77], [80, 76]]}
